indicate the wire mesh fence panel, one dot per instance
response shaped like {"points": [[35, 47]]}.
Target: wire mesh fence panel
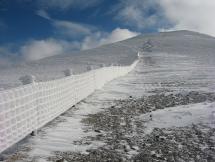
{"points": [[18, 114], [29, 107]]}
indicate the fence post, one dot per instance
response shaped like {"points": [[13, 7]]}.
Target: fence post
{"points": [[89, 68], [27, 79], [101, 65], [68, 72], [138, 55]]}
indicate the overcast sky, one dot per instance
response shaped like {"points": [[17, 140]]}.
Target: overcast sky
{"points": [[61, 26]]}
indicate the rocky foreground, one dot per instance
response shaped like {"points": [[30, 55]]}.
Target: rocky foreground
{"points": [[124, 138]]}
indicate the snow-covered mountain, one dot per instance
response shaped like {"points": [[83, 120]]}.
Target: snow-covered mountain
{"points": [[199, 46], [172, 89]]}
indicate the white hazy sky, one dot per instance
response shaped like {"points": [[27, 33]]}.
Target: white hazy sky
{"points": [[196, 15]]}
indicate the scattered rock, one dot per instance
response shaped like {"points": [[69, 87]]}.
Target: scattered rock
{"points": [[124, 138], [98, 131]]}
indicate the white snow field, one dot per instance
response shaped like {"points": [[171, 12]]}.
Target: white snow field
{"points": [[174, 62], [181, 116]]}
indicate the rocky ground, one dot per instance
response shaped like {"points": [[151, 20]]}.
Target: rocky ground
{"points": [[125, 140]]}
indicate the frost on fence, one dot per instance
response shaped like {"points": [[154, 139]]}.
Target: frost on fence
{"points": [[27, 79], [28, 108], [18, 114], [67, 72]]}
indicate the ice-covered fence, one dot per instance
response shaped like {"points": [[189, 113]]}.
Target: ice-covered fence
{"points": [[29, 107]]}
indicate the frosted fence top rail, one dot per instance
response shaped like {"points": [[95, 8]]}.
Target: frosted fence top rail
{"points": [[64, 78]]}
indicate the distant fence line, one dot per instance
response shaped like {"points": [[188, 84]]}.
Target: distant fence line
{"points": [[31, 106]]}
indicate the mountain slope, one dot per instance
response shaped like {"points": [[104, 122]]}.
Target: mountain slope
{"points": [[200, 47]]}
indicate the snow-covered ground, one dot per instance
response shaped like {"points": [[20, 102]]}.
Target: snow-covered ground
{"points": [[180, 116], [171, 63]]}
